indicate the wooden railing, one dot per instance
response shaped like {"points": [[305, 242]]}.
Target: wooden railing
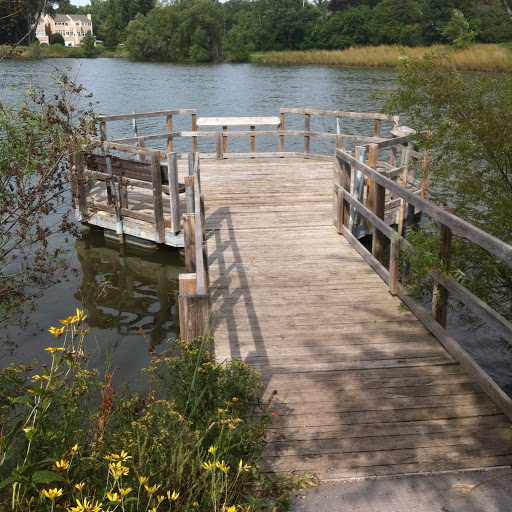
{"points": [[221, 137], [448, 224], [194, 297], [102, 167]]}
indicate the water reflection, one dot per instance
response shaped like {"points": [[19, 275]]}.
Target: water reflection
{"points": [[124, 289]]}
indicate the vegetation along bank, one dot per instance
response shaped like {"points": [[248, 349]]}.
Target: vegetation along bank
{"points": [[205, 31]]}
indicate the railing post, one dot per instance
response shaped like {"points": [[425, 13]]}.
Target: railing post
{"points": [[337, 181], [191, 158], [281, 137], [219, 150], [379, 208], [225, 139], [141, 143], [189, 235], [103, 131], [440, 293], [373, 157], [194, 129], [394, 265], [376, 131], [156, 178], [170, 140], [253, 141], [123, 192], [174, 198], [189, 193], [347, 178], [338, 142], [307, 127]]}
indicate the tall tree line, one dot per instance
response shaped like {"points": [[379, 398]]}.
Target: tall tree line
{"points": [[205, 30]]}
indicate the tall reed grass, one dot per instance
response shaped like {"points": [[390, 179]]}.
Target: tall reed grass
{"points": [[488, 57]]}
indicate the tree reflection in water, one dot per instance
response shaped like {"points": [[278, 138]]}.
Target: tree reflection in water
{"points": [[124, 289]]}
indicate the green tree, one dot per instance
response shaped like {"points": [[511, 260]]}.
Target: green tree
{"points": [[239, 41], [57, 39], [491, 23], [89, 45], [458, 32], [396, 22], [469, 120]]}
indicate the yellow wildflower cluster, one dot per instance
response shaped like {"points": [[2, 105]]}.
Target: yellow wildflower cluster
{"points": [[86, 506], [122, 457], [117, 470], [53, 494]]}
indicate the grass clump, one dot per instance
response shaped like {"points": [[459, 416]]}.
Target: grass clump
{"points": [[58, 51], [478, 57], [69, 440]]}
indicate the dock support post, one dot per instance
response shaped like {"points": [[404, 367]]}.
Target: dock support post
{"points": [[347, 178], [440, 293], [194, 129], [156, 178], [379, 207], [174, 198], [194, 308], [307, 125], [376, 131], [219, 152]]}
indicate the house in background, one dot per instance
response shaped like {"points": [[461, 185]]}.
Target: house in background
{"points": [[72, 27]]}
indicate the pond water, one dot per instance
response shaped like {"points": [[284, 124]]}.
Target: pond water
{"points": [[124, 292]]}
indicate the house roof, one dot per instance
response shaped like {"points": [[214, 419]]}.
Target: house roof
{"points": [[75, 17]]}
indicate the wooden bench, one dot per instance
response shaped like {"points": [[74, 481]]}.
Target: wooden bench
{"points": [[225, 122], [127, 168]]}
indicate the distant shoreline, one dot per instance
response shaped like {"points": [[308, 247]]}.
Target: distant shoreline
{"points": [[478, 57]]}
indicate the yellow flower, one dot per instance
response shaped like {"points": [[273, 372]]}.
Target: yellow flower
{"points": [[195, 504], [222, 466], [212, 449], [61, 465], [143, 480], [174, 496], [52, 350], [124, 456], [152, 509], [75, 449], [232, 509], [208, 466], [161, 498], [238, 420], [53, 494], [113, 496], [69, 321], [228, 403], [86, 506], [111, 457], [235, 399], [223, 411], [118, 470], [152, 489], [80, 315], [126, 491], [80, 486], [41, 377], [57, 332], [232, 427]]}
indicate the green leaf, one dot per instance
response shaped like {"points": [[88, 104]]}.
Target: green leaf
{"points": [[23, 400], [44, 477], [7, 481]]}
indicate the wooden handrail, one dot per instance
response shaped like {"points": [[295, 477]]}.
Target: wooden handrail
{"points": [[142, 115]]}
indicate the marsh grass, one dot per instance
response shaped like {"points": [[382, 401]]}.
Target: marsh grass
{"points": [[478, 57], [57, 51]]}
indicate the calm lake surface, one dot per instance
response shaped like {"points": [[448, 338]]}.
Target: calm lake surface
{"points": [[122, 294]]}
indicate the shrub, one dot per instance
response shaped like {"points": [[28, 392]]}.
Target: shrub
{"points": [[57, 39], [71, 440]]}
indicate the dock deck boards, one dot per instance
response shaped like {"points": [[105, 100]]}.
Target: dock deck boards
{"points": [[362, 387]]}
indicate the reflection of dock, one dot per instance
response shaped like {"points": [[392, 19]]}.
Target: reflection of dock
{"points": [[126, 292]]}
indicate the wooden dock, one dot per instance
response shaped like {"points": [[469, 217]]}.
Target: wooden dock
{"points": [[362, 387]]}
